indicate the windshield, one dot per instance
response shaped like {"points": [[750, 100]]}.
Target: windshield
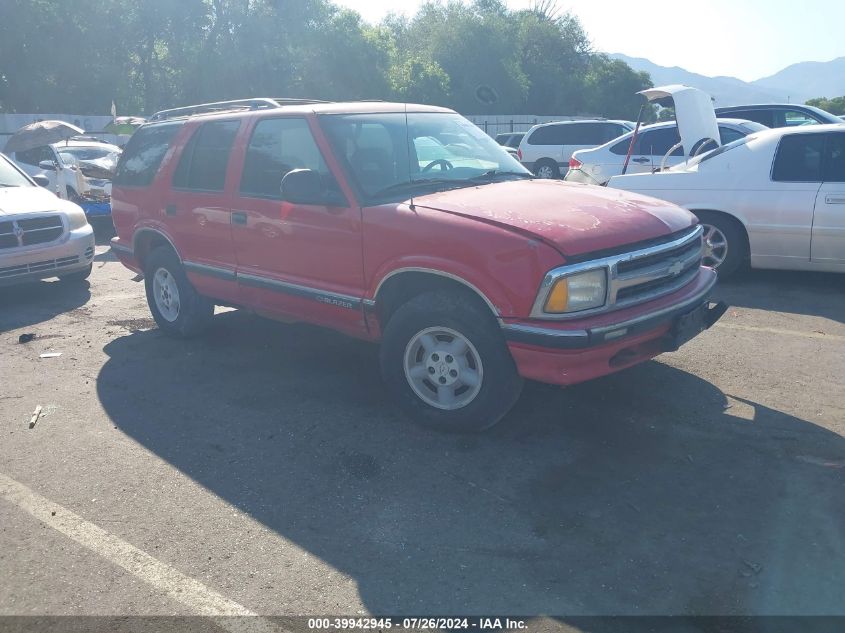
{"points": [[11, 177], [71, 155], [384, 155], [716, 152]]}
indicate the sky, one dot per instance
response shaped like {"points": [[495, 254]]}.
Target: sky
{"points": [[748, 39]]}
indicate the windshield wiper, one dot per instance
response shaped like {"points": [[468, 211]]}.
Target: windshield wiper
{"points": [[414, 184], [487, 176]]}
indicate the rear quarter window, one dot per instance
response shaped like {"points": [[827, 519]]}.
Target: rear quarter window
{"points": [[202, 165], [799, 158], [143, 154]]}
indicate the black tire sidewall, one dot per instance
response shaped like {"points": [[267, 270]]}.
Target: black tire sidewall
{"points": [[737, 249], [550, 163], [194, 310], [501, 383]]}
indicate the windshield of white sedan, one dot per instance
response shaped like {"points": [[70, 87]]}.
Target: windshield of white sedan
{"points": [[395, 153], [11, 177]]}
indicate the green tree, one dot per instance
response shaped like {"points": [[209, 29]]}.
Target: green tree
{"points": [[611, 88], [834, 106]]}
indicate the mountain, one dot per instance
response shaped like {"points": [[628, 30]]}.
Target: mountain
{"points": [[725, 90], [808, 79]]}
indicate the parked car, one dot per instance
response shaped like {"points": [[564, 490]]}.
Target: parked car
{"points": [[510, 139], [596, 166], [776, 115], [547, 147], [41, 236], [78, 169], [471, 274], [776, 198]]}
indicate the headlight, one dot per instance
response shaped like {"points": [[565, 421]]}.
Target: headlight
{"points": [[580, 291], [75, 219]]}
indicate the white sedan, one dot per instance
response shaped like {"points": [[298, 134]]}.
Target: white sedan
{"points": [[774, 198], [598, 165]]}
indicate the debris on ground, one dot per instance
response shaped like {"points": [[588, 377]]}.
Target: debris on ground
{"points": [[50, 355], [26, 338], [35, 415]]}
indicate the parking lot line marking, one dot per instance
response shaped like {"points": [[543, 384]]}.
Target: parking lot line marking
{"points": [[775, 330], [184, 589]]}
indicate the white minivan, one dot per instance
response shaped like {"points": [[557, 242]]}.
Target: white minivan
{"points": [[546, 148]]}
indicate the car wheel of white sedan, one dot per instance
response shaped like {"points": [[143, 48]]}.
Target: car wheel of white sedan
{"points": [[725, 242]]}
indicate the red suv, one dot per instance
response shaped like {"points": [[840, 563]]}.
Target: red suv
{"points": [[405, 224]]}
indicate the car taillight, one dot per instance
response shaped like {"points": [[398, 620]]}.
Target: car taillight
{"points": [[519, 154], [574, 163]]}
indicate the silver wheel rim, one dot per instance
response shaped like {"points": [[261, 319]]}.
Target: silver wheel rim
{"points": [[545, 172], [443, 368], [715, 246], [166, 294]]}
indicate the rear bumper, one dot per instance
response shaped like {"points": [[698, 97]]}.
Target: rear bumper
{"points": [[564, 356], [74, 253], [125, 254], [577, 175]]}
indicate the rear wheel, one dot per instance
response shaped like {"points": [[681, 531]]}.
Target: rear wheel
{"points": [[176, 306], [725, 245], [447, 364], [546, 168]]}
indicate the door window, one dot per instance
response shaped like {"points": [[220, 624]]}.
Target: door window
{"points": [[35, 155], [278, 146], [834, 159], [203, 163], [658, 142], [792, 118], [729, 135], [764, 117], [799, 158]]}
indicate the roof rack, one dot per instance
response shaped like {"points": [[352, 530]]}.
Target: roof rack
{"points": [[262, 103]]}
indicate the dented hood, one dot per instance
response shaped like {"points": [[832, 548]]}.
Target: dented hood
{"points": [[573, 218]]}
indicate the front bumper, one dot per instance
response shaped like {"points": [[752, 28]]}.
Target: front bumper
{"points": [[613, 341], [73, 253]]}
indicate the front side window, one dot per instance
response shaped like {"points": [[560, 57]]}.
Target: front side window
{"points": [[792, 118], [143, 154], [392, 153], [799, 158], [764, 117], [34, 156], [203, 163], [278, 146]]}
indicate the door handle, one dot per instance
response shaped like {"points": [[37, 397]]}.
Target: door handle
{"points": [[641, 160], [239, 218], [170, 209], [835, 199]]}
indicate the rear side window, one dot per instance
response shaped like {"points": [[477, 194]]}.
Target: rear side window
{"points": [[764, 117], [143, 154], [202, 165], [278, 146], [799, 158], [834, 163], [658, 142], [729, 135]]}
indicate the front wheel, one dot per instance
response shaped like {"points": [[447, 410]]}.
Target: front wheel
{"points": [[725, 246], [447, 364], [178, 309]]}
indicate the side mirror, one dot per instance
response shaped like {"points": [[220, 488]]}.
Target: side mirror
{"points": [[41, 180], [302, 186], [47, 165]]}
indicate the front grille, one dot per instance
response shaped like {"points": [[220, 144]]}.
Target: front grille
{"points": [[38, 267], [655, 271], [30, 231]]}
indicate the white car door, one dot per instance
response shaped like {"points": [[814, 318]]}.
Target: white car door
{"points": [[651, 147], [828, 245], [779, 217]]}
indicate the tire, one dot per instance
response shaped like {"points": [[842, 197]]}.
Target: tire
{"points": [[78, 276], [449, 318], [178, 309], [547, 169], [722, 229]]}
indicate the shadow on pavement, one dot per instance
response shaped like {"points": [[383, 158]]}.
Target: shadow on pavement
{"points": [[793, 292], [643, 492], [30, 304]]}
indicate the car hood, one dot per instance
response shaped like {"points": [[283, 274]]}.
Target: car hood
{"points": [[573, 218], [14, 200]]}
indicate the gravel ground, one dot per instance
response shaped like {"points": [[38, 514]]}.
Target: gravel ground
{"points": [[262, 467]]}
